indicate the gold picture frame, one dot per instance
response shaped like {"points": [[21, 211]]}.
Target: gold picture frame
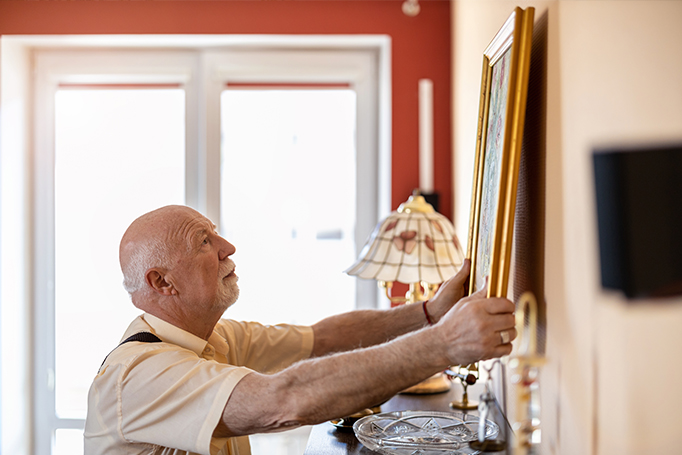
{"points": [[504, 89]]}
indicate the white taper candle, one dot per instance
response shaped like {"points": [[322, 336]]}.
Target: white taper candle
{"points": [[426, 135]]}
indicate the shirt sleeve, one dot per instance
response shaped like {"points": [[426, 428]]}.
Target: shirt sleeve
{"points": [[159, 388], [266, 348]]}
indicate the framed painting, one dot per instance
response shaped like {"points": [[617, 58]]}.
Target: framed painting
{"points": [[504, 89]]}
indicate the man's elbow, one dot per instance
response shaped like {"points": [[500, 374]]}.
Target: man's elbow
{"points": [[261, 404], [232, 429]]}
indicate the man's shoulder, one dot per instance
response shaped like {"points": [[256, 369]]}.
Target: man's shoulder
{"points": [[136, 351], [136, 326], [130, 352]]}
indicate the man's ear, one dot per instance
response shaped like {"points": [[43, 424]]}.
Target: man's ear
{"points": [[156, 279]]}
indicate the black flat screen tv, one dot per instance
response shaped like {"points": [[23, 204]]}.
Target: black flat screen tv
{"points": [[639, 216]]}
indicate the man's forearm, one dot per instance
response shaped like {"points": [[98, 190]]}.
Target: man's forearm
{"points": [[369, 327], [363, 328]]}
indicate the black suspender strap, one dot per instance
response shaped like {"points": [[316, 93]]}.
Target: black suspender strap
{"points": [[142, 337]]}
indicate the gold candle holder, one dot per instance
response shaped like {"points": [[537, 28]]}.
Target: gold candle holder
{"points": [[525, 374]]}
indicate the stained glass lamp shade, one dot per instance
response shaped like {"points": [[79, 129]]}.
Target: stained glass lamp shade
{"points": [[413, 245]]}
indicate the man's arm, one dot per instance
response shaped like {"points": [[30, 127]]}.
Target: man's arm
{"points": [[363, 328], [316, 390]]}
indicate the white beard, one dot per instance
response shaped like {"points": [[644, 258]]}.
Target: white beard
{"points": [[228, 291]]}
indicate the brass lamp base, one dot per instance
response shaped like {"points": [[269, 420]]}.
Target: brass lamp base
{"points": [[437, 383], [466, 377], [464, 403]]}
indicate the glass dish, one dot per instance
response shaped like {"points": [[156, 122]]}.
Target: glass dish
{"points": [[421, 432]]}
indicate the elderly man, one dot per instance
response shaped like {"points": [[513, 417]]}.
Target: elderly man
{"points": [[206, 382]]}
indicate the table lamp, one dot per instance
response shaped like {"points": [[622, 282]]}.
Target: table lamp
{"points": [[417, 246]]}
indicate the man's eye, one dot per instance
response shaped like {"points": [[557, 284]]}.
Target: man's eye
{"points": [[205, 242]]}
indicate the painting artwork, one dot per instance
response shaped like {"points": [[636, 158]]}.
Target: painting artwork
{"points": [[491, 169], [504, 87]]}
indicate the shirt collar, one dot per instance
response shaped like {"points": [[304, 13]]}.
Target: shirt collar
{"points": [[172, 334], [218, 343]]}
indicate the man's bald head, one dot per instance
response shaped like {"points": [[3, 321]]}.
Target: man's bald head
{"points": [[149, 242]]}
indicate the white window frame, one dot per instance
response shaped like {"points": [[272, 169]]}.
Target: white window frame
{"points": [[27, 161]]}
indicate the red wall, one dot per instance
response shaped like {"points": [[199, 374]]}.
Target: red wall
{"points": [[420, 49]]}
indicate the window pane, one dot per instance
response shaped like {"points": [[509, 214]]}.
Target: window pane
{"points": [[288, 201], [118, 154], [68, 442]]}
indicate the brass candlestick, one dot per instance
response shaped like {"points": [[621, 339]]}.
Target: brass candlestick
{"points": [[467, 377], [525, 374]]}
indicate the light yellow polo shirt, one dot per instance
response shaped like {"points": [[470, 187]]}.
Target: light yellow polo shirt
{"points": [[167, 398]]}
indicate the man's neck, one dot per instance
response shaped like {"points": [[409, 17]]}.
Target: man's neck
{"points": [[201, 327]]}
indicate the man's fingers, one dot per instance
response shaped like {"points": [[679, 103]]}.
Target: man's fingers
{"points": [[481, 293], [499, 305], [507, 335], [501, 322], [464, 270], [462, 275], [501, 351]]}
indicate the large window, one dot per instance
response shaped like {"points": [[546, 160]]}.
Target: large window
{"points": [[283, 156]]}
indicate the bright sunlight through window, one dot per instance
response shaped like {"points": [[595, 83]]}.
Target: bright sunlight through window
{"points": [[288, 201], [119, 153]]}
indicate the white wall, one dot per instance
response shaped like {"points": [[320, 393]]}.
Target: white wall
{"points": [[614, 76]]}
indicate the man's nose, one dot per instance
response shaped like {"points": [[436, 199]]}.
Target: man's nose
{"points": [[226, 249]]}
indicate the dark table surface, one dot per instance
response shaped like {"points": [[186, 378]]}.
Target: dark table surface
{"points": [[326, 439]]}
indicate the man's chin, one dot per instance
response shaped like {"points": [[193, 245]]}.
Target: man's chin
{"points": [[228, 300]]}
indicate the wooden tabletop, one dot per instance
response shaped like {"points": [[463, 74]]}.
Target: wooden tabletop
{"points": [[326, 439]]}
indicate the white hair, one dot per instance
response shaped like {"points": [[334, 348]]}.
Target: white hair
{"points": [[144, 256], [149, 243]]}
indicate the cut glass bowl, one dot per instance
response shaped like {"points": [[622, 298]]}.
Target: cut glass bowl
{"points": [[421, 432]]}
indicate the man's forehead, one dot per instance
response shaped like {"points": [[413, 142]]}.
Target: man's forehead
{"points": [[167, 224], [205, 226], [195, 225]]}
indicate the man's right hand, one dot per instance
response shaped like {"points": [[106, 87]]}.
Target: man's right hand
{"points": [[471, 329]]}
